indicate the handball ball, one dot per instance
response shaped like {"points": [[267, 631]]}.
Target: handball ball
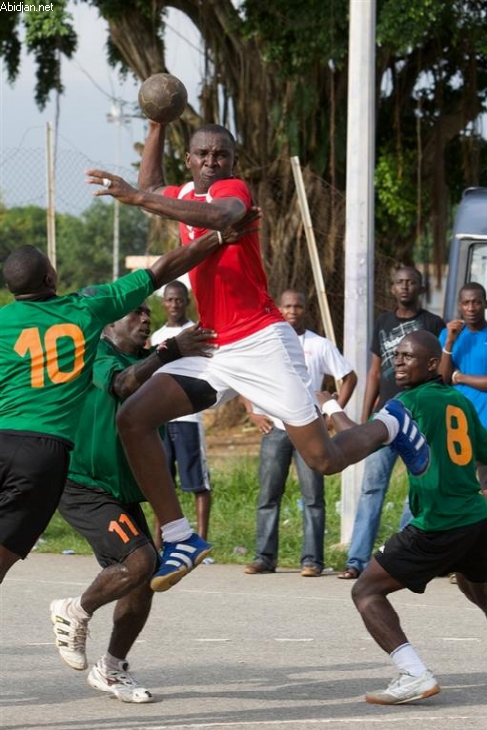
{"points": [[163, 98]]}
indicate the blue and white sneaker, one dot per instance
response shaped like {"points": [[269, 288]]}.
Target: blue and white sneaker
{"points": [[409, 443], [177, 559]]}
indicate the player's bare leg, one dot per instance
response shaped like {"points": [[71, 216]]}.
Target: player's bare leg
{"points": [[331, 455], [202, 502], [157, 401], [414, 681]]}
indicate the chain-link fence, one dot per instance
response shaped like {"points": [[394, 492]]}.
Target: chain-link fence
{"points": [[23, 178]]}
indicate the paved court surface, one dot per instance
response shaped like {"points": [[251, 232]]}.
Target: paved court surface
{"points": [[228, 651]]}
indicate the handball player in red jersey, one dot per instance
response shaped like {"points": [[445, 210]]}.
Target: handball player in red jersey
{"points": [[259, 355]]}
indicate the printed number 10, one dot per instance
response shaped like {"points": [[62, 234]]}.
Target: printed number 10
{"points": [[45, 356]]}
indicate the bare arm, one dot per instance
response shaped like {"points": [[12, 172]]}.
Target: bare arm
{"points": [[475, 381], [151, 172], [216, 216], [261, 421], [191, 341], [454, 327], [349, 382], [371, 388]]}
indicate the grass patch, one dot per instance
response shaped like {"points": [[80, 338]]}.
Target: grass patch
{"points": [[233, 515]]}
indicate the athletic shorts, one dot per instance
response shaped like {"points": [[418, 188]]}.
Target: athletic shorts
{"points": [[113, 529], [267, 368], [33, 472], [185, 447], [414, 557]]}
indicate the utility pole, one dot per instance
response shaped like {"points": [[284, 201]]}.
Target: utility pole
{"points": [[51, 205], [117, 117], [359, 236]]}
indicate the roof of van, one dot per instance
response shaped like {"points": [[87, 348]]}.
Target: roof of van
{"points": [[471, 215]]}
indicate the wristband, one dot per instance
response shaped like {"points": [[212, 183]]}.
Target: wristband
{"points": [[454, 376], [331, 407], [168, 351], [447, 352], [220, 238]]}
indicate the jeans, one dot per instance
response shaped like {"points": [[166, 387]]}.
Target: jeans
{"points": [[377, 473], [276, 454]]}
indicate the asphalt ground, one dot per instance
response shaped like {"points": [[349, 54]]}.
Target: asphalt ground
{"points": [[229, 651]]}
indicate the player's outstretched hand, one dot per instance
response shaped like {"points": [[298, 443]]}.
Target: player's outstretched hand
{"points": [[112, 185], [196, 341], [246, 225]]}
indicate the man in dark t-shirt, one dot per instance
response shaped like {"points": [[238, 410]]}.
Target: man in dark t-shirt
{"points": [[389, 330]]}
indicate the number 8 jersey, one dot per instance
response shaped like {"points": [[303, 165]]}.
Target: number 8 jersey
{"points": [[448, 495], [47, 349]]}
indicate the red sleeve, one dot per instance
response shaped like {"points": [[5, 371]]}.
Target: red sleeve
{"points": [[232, 187]]}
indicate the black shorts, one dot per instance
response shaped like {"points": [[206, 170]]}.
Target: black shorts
{"points": [[33, 472], [113, 529], [414, 557]]}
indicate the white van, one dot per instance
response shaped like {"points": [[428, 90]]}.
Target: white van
{"points": [[468, 250]]}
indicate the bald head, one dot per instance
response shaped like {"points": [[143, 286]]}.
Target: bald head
{"points": [[424, 342], [416, 359], [27, 270]]}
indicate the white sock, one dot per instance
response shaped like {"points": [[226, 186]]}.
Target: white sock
{"points": [[78, 611], [406, 660], [176, 531], [390, 423], [110, 663]]}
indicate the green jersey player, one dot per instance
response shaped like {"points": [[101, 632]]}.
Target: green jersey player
{"points": [[47, 350], [101, 500], [448, 532]]}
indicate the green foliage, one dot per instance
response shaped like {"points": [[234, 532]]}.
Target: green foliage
{"points": [[49, 35], [396, 192], [84, 245], [297, 36]]}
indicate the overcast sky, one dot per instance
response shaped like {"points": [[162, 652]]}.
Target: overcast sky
{"points": [[84, 134]]}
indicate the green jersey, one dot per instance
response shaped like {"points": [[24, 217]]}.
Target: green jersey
{"points": [[98, 458], [47, 349], [448, 495]]}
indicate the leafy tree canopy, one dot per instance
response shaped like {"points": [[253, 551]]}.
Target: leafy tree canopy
{"points": [[276, 71]]}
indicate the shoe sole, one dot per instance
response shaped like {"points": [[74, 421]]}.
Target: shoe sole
{"points": [[259, 572], [161, 583], [422, 696]]}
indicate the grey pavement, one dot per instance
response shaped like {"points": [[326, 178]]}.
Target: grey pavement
{"points": [[229, 651]]}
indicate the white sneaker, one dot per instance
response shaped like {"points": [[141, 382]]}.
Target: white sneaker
{"points": [[405, 688], [70, 633], [119, 683]]}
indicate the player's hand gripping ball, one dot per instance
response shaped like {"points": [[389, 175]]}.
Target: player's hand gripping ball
{"points": [[163, 98]]}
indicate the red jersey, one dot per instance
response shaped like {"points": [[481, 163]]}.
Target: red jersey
{"points": [[230, 286]]}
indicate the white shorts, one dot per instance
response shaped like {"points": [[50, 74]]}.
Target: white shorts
{"points": [[267, 368]]}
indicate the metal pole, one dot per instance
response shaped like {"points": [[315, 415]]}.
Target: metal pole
{"points": [[312, 251], [51, 207], [359, 237]]}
